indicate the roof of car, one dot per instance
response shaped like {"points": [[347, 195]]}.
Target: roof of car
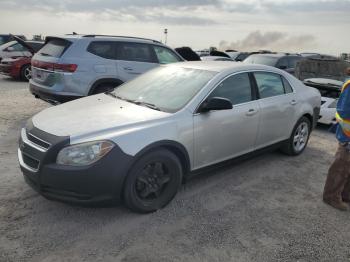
{"points": [[220, 66], [74, 37], [276, 55]]}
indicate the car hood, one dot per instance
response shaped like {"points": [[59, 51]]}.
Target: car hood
{"points": [[23, 43], [323, 82], [94, 115]]}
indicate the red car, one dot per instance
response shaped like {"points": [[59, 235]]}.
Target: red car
{"points": [[19, 67]]}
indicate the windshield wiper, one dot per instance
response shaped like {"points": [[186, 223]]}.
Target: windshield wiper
{"points": [[111, 94], [149, 105], [136, 102], [44, 54]]}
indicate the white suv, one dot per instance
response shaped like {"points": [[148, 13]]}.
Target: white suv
{"points": [[74, 66]]}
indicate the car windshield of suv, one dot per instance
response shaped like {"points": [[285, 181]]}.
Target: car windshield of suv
{"points": [[54, 47], [166, 88], [262, 60]]}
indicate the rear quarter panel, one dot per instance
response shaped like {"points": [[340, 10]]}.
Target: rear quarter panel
{"points": [[308, 98]]}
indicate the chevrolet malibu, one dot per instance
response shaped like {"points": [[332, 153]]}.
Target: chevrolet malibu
{"points": [[137, 143]]}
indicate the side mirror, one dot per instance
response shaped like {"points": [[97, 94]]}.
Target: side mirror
{"points": [[216, 103], [282, 67], [10, 49]]}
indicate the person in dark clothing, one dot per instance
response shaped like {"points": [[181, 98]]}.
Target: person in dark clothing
{"points": [[337, 188]]}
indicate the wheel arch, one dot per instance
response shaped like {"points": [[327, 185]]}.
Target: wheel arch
{"points": [[175, 147], [310, 117], [97, 83]]}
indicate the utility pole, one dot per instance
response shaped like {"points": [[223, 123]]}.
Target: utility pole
{"points": [[166, 35]]}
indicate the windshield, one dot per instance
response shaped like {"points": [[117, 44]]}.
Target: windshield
{"points": [[55, 47], [167, 88], [262, 60]]}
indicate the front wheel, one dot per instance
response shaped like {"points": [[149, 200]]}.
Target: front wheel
{"points": [[153, 181], [299, 138]]}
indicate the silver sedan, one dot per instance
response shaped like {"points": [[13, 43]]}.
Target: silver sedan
{"points": [[138, 142]]}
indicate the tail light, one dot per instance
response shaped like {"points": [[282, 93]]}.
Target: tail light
{"points": [[68, 68]]}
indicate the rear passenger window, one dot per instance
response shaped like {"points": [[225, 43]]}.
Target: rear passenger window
{"points": [[165, 56], [135, 52], [287, 87], [269, 84], [102, 49], [236, 88]]}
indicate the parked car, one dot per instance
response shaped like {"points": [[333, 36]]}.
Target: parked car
{"points": [[74, 66], [187, 53], [238, 56], [282, 61], [330, 91], [20, 67], [5, 38], [15, 49], [215, 58], [139, 142]]}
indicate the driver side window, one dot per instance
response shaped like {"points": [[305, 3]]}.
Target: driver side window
{"points": [[236, 88]]}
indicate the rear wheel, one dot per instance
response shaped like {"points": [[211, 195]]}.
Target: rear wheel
{"points": [[153, 181], [26, 72], [102, 88], [299, 138]]}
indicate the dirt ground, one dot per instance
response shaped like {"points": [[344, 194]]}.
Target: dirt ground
{"points": [[268, 208]]}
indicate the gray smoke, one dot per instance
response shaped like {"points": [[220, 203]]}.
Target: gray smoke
{"points": [[275, 41]]}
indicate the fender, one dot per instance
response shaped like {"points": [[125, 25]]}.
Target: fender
{"points": [[115, 81], [178, 149]]}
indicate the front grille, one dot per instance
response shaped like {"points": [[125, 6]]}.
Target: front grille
{"points": [[31, 162], [38, 141]]}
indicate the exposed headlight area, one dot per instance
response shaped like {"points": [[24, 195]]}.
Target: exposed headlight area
{"points": [[333, 104], [84, 154]]}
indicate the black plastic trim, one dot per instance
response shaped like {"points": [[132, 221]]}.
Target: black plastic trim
{"points": [[50, 98], [115, 81], [171, 145]]}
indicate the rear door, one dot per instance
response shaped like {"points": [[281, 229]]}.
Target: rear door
{"points": [[134, 59], [224, 134], [278, 105]]}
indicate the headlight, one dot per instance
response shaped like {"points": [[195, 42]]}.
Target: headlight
{"points": [[83, 154], [333, 104]]}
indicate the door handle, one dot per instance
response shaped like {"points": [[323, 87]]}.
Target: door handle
{"points": [[251, 112], [293, 102], [128, 68]]}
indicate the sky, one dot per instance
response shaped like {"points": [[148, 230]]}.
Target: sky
{"points": [[245, 25]]}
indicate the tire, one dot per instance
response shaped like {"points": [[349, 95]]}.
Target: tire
{"points": [[26, 72], [153, 181], [299, 138], [102, 88]]}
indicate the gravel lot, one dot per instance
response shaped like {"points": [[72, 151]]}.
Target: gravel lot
{"points": [[268, 208]]}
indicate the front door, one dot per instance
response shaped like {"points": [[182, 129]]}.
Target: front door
{"points": [[224, 134], [134, 59]]}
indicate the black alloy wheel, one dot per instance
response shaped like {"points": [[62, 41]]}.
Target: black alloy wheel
{"points": [[153, 181]]}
